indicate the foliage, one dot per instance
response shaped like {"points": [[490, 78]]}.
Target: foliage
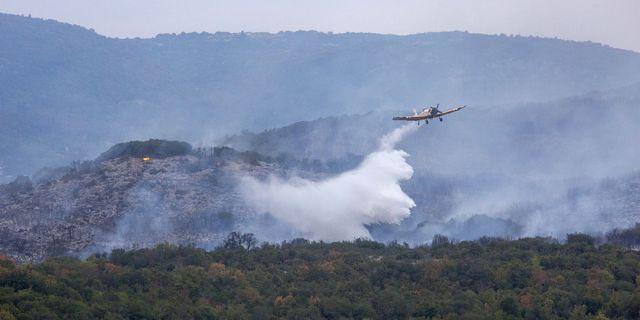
{"points": [[532, 278], [626, 237], [237, 240], [230, 154], [154, 148]]}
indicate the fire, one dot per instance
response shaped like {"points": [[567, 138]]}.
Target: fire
{"points": [[146, 158]]}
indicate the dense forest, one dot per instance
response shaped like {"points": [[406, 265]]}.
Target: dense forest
{"points": [[533, 278]]}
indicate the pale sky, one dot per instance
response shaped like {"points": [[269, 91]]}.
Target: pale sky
{"points": [[612, 22]]}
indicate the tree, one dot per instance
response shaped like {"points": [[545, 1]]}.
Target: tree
{"points": [[233, 241], [439, 240], [237, 240], [248, 241]]}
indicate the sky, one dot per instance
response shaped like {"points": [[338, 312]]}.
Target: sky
{"points": [[612, 22]]}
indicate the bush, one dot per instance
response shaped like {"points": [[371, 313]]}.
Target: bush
{"points": [[579, 238], [625, 237], [153, 148], [439, 240]]}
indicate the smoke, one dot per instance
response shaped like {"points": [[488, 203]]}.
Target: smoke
{"points": [[340, 207]]}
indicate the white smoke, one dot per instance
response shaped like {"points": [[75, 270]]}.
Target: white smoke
{"points": [[339, 207]]}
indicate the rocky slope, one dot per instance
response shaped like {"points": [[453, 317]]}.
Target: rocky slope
{"points": [[125, 202]]}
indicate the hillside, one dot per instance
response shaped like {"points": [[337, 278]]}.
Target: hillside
{"points": [[535, 278], [554, 130], [121, 200], [548, 169], [194, 197], [69, 93], [551, 167]]}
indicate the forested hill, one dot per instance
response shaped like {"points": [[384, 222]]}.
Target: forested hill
{"points": [[534, 278], [69, 93]]}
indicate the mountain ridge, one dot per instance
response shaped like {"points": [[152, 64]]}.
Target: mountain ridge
{"points": [[71, 93], [267, 33]]}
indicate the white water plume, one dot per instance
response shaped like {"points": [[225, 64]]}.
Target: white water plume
{"points": [[339, 208]]}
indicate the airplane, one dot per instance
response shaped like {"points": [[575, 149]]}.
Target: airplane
{"points": [[428, 113]]}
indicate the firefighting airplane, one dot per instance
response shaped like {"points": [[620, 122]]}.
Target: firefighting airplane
{"points": [[428, 113]]}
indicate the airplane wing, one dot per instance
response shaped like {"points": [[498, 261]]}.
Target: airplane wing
{"points": [[450, 111]]}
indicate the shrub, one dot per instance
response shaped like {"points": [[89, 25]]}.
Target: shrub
{"points": [[153, 148]]}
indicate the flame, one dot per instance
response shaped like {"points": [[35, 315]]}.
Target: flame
{"points": [[146, 158]]}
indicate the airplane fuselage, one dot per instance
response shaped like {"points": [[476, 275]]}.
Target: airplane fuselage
{"points": [[427, 113], [417, 117]]}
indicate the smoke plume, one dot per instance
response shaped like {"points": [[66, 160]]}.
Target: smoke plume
{"points": [[339, 208]]}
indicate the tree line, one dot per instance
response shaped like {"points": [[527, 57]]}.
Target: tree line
{"points": [[531, 278]]}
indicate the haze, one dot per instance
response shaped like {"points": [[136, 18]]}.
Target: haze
{"points": [[613, 23]]}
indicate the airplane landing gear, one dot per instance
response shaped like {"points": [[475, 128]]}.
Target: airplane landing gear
{"points": [[440, 119]]}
